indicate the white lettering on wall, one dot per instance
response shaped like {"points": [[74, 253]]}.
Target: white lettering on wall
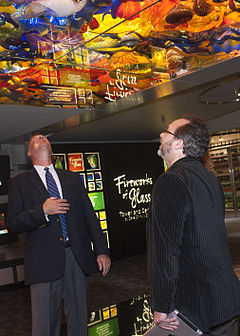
{"points": [[131, 190]]}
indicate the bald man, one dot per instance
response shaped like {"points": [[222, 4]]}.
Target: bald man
{"points": [[51, 207]]}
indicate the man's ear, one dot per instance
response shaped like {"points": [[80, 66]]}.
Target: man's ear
{"points": [[178, 144], [29, 154]]}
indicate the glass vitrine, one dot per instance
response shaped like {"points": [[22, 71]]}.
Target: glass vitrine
{"points": [[226, 163]]}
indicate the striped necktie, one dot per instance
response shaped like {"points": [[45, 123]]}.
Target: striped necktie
{"points": [[54, 192]]}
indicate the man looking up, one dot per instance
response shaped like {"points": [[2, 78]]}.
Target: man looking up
{"points": [[52, 208], [189, 262]]}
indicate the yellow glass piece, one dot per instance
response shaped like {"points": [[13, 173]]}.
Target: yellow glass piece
{"points": [[138, 24], [159, 58], [235, 16], [26, 64], [210, 21], [16, 79], [102, 215], [3, 64], [45, 80], [121, 59], [106, 313], [61, 55], [103, 225], [157, 12], [2, 49], [113, 310], [194, 61], [101, 42], [8, 9]]}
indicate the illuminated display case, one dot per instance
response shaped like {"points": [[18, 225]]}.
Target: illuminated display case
{"points": [[227, 168]]}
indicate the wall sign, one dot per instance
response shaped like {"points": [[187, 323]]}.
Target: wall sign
{"points": [[135, 194]]}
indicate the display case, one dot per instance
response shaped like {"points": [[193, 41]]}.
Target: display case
{"points": [[226, 163], [234, 156]]}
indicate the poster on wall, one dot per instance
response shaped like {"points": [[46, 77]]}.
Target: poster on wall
{"points": [[92, 161], [75, 162], [59, 161]]}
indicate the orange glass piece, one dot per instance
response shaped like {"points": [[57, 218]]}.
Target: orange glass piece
{"points": [[128, 9], [156, 13], [121, 59]]}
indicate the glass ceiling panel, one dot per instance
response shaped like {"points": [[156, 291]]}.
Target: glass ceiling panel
{"points": [[79, 53]]}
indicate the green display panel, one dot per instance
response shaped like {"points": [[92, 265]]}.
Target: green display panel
{"points": [[97, 200], [106, 328]]}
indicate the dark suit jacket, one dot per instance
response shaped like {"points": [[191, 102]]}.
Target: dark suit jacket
{"points": [[44, 253], [189, 262]]}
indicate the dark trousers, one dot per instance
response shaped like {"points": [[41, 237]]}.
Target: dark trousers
{"points": [[47, 302], [229, 328]]}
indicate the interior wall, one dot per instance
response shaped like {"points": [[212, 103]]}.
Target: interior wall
{"points": [[129, 171]]}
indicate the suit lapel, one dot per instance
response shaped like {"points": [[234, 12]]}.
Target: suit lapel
{"points": [[36, 180], [64, 183]]}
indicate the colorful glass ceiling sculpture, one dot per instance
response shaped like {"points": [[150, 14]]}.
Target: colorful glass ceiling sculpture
{"points": [[88, 52]]}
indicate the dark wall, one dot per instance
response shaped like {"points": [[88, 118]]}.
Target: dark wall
{"points": [[5, 237], [4, 174], [129, 171]]}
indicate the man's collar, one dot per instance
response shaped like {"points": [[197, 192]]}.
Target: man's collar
{"points": [[42, 167]]}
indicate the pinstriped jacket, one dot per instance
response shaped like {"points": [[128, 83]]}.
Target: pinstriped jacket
{"points": [[188, 258]]}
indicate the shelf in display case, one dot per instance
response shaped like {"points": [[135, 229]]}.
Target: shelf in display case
{"points": [[224, 161], [220, 160], [219, 157], [220, 164], [222, 174]]}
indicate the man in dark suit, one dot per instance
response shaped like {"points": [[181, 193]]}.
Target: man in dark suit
{"points": [[189, 262], [59, 223]]}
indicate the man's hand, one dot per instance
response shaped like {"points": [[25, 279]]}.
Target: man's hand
{"points": [[165, 322], [104, 263], [54, 206]]}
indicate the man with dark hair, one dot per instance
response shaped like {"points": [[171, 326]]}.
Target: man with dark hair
{"points": [[188, 258], [52, 208]]}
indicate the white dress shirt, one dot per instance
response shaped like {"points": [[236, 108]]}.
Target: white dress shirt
{"points": [[42, 174]]}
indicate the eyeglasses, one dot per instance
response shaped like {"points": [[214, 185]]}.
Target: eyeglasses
{"points": [[38, 138], [165, 130]]}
